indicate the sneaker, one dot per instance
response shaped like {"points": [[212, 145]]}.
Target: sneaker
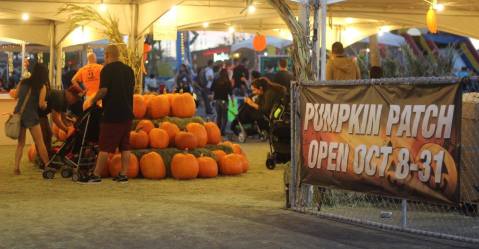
{"points": [[120, 178], [93, 179]]}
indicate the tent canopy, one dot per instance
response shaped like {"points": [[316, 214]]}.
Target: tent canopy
{"points": [[349, 20]]}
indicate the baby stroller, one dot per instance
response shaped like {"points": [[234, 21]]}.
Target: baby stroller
{"points": [[279, 136], [76, 157], [247, 124]]}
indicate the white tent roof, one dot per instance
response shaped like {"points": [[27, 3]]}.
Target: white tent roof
{"points": [[389, 39], [459, 17]]}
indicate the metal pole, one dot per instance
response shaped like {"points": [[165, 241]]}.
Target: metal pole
{"points": [[404, 213], [58, 66], [323, 38], [51, 63], [292, 177], [23, 69]]}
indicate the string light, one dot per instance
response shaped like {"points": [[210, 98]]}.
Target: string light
{"points": [[102, 6], [25, 16], [206, 25], [251, 9], [231, 30]]}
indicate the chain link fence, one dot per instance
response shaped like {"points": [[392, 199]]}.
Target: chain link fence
{"points": [[456, 222]]}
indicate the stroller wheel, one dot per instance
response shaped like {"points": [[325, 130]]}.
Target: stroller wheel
{"points": [[75, 177], [242, 137], [67, 172], [270, 164], [48, 173]]}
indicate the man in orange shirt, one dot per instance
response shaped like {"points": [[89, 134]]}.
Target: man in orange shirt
{"points": [[89, 75]]}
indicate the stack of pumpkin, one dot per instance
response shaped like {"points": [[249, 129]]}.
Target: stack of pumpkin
{"points": [[167, 140]]}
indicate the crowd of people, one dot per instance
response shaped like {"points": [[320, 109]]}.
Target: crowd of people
{"points": [[112, 83]]}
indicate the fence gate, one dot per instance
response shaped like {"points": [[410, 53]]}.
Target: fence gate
{"points": [[399, 154]]}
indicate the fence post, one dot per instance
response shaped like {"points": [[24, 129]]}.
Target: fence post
{"points": [[404, 213], [292, 178]]}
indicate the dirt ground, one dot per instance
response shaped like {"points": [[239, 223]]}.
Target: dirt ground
{"points": [[226, 212]]}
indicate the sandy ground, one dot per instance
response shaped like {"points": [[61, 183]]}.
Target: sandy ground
{"points": [[226, 212]]}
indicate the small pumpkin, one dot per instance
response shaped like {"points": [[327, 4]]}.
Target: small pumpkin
{"points": [[152, 166], [227, 143], [32, 153], [237, 149], [231, 164], [172, 129], [208, 168], [115, 166], [139, 139], [184, 166], [145, 125], [159, 138], [139, 106], [219, 154], [214, 133], [200, 133], [183, 105], [159, 106], [186, 140], [244, 163], [13, 93]]}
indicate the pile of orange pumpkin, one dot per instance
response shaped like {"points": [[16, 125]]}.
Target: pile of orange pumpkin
{"points": [[167, 140]]}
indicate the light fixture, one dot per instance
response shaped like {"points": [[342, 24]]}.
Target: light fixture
{"points": [[25, 16], [349, 20], [206, 25], [251, 9], [439, 7], [102, 6], [231, 30]]}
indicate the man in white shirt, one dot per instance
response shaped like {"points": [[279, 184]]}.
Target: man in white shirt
{"points": [[206, 77]]}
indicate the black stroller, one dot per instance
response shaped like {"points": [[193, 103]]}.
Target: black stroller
{"points": [[249, 122], [279, 136], [76, 157]]}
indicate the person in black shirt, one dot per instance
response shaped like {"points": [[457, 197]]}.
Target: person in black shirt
{"points": [[240, 78], [283, 77], [221, 89], [183, 80], [117, 83], [269, 94]]}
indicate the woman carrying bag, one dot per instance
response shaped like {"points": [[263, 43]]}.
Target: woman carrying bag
{"points": [[31, 94]]}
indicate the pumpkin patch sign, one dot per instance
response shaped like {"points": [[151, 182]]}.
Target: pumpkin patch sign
{"points": [[398, 140]]}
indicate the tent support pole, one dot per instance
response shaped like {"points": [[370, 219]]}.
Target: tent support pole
{"points": [[23, 71], [59, 66], [51, 62], [324, 6]]}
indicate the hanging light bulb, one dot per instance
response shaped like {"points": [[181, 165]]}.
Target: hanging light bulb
{"points": [[102, 6], [439, 7], [25, 16], [231, 30], [206, 25], [251, 9]]}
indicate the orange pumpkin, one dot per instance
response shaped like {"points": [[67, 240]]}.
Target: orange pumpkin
{"points": [[219, 154], [159, 106], [170, 98], [159, 138], [183, 105], [152, 166], [115, 166], [185, 140], [214, 133], [259, 43], [231, 164], [237, 149], [244, 163], [227, 143], [13, 93], [172, 129], [139, 139], [208, 167], [139, 106], [32, 153], [200, 133], [145, 125], [184, 166]]}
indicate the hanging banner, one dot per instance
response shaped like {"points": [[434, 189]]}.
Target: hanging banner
{"points": [[399, 140]]}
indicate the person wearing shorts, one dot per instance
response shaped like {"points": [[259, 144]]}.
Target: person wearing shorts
{"points": [[117, 82]]}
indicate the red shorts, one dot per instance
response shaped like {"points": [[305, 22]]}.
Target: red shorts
{"points": [[114, 135]]}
